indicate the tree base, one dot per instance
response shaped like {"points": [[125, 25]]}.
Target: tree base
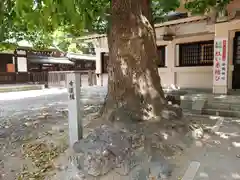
{"points": [[112, 112]]}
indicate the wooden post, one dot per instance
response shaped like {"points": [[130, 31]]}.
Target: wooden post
{"points": [[101, 75], [45, 74], [94, 79], [16, 60], [90, 78], [74, 115]]}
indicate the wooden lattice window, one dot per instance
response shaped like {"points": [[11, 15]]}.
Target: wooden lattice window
{"points": [[196, 54], [162, 56]]}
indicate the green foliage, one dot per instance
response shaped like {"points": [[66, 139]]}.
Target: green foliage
{"points": [[161, 7], [75, 16], [37, 21], [202, 6], [7, 47]]}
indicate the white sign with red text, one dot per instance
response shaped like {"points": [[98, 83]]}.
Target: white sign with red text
{"points": [[220, 61]]}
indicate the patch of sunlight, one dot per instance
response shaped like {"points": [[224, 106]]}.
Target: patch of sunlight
{"points": [[171, 88], [149, 114], [224, 136], [237, 120], [236, 144], [31, 93], [199, 144], [167, 90], [198, 96], [203, 175], [235, 175], [144, 19], [142, 84], [191, 171], [206, 126], [234, 134], [169, 102], [174, 87], [140, 33], [217, 142], [206, 137], [123, 67], [197, 133], [165, 135], [214, 117], [218, 124], [221, 97], [151, 90], [224, 177]]}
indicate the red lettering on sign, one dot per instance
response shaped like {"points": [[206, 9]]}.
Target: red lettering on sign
{"points": [[218, 53], [217, 72], [224, 50], [217, 78]]}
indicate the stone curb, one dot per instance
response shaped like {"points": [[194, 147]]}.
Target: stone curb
{"points": [[21, 88]]}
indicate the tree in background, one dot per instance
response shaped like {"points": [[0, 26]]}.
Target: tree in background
{"points": [[134, 88], [205, 6]]}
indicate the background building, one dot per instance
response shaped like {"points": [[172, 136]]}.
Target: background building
{"points": [[195, 51]]}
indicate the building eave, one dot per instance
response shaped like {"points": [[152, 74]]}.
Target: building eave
{"points": [[76, 56], [49, 60], [181, 21], [168, 23]]}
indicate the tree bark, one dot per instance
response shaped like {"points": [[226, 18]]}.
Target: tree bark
{"points": [[134, 88]]}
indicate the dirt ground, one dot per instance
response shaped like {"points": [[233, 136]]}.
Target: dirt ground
{"points": [[218, 152], [19, 136], [37, 147]]}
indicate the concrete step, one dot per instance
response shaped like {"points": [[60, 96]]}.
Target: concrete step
{"points": [[223, 106], [213, 105], [193, 102], [214, 108], [224, 113]]}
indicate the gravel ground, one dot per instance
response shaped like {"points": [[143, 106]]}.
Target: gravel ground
{"points": [[35, 120], [39, 124]]}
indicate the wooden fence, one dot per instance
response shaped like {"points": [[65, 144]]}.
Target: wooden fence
{"points": [[58, 78], [51, 78]]}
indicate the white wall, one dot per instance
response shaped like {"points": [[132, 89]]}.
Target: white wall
{"points": [[22, 64], [194, 77], [184, 77], [187, 77]]}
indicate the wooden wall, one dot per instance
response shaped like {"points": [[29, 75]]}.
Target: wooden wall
{"points": [[4, 60]]}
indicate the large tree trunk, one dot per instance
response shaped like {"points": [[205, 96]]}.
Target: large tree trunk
{"points": [[134, 87]]}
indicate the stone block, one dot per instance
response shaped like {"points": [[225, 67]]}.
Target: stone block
{"points": [[157, 168], [198, 105], [186, 104]]}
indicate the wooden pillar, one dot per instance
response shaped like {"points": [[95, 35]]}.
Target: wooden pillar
{"points": [[16, 60]]}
